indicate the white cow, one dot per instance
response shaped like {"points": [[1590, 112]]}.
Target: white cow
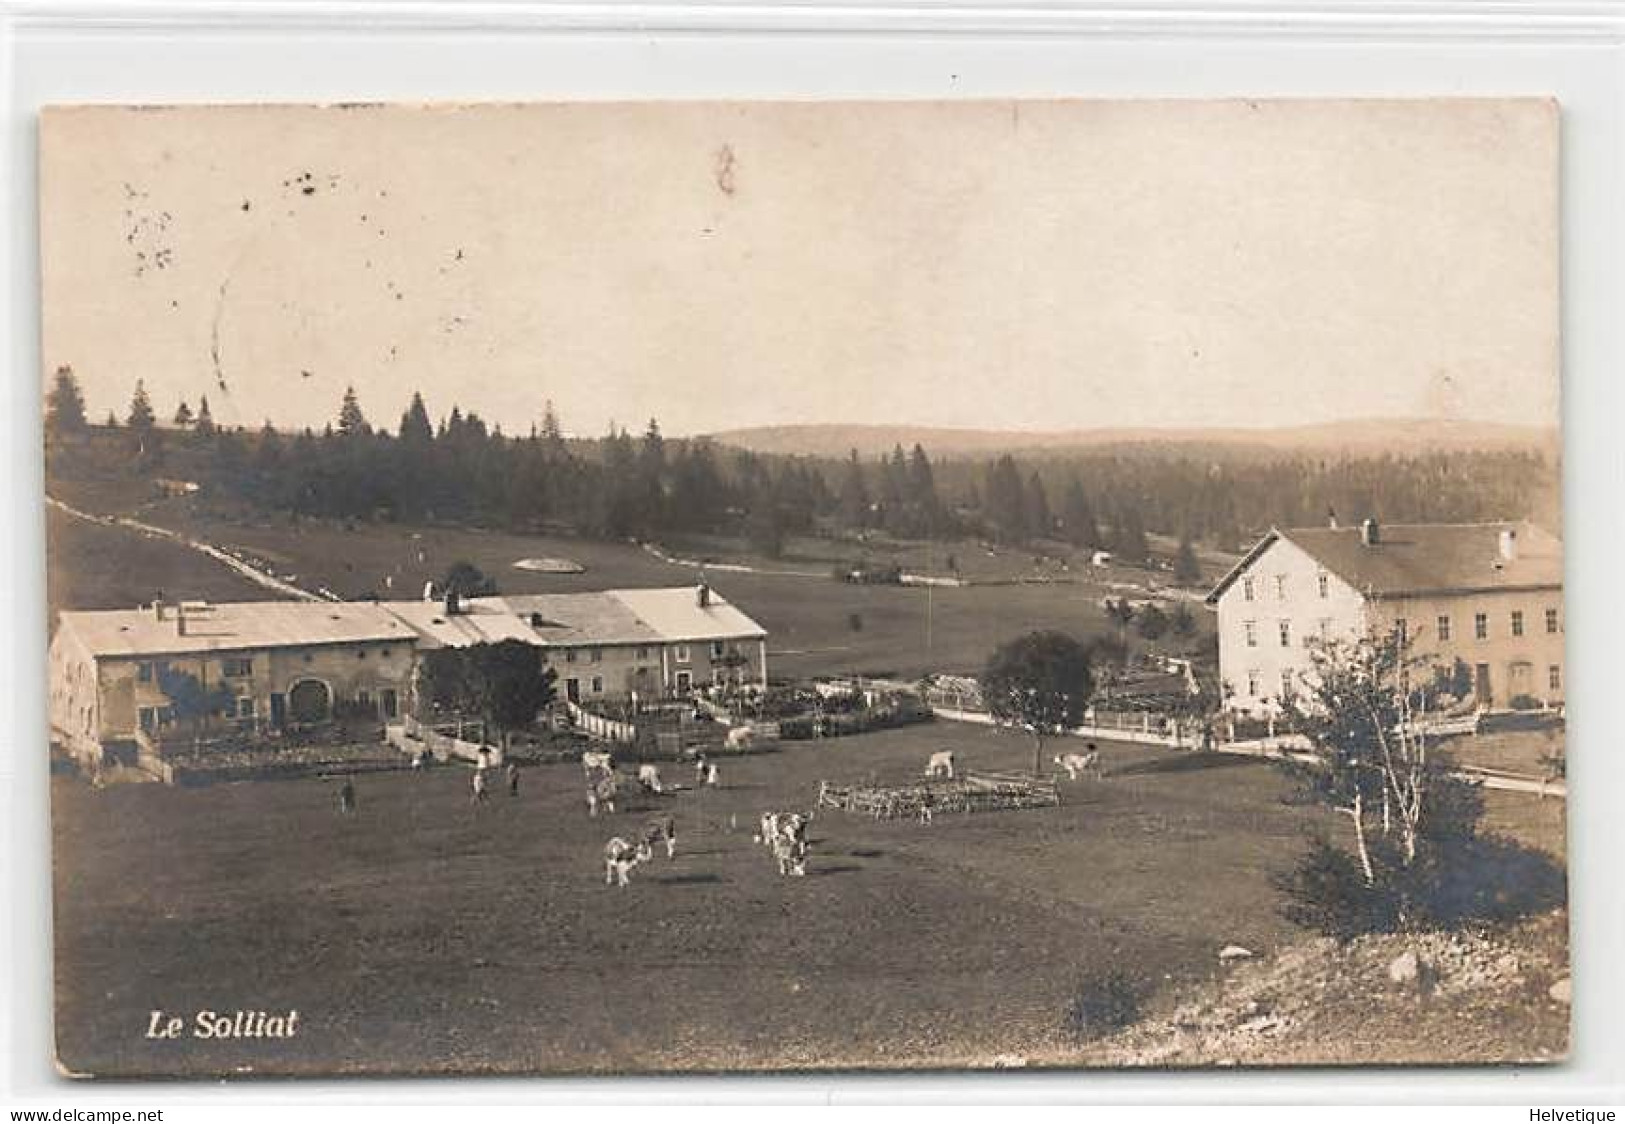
{"points": [[1077, 764], [741, 737], [649, 778], [596, 759], [619, 859], [785, 834], [941, 764]]}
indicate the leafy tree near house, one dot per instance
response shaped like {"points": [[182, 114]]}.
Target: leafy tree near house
{"points": [[1121, 613], [467, 580], [1153, 623], [190, 702], [1182, 621], [1041, 683], [508, 684], [64, 404], [1373, 763]]}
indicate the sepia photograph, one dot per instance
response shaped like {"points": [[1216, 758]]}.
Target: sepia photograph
{"points": [[779, 586]]}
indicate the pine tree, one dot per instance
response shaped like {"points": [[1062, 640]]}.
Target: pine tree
{"points": [[204, 425], [853, 503], [416, 430], [141, 417], [1078, 517], [1187, 571], [1036, 517], [183, 415], [352, 423], [65, 404]]}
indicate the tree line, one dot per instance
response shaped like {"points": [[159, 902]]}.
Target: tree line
{"points": [[645, 486]]}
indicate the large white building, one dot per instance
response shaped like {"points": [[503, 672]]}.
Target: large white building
{"points": [[1488, 594], [297, 663]]}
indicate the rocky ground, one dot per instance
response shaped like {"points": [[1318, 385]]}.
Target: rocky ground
{"points": [[1498, 996]]}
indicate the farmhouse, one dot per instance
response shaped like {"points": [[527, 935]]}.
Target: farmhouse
{"points": [[1487, 594], [609, 644], [114, 674]]}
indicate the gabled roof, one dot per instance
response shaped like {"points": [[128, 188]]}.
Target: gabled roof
{"points": [[1422, 558], [232, 626], [615, 616]]}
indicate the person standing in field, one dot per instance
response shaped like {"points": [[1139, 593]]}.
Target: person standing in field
{"points": [[346, 798], [513, 779], [479, 785]]}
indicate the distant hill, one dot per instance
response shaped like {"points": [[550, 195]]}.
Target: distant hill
{"points": [[1364, 436]]}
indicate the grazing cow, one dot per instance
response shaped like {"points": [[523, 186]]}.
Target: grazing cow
{"points": [[479, 786], [649, 778], [1077, 764], [791, 852], [941, 764], [596, 759], [661, 829], [741, 737], [619, 859], [346, 798], [601, 788]]}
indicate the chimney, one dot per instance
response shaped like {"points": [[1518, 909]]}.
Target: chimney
{"points": [[1370, 533], [158, 608], [454, 603], [1507, 542], [180, 619], [703, 596], [1331, 518]]}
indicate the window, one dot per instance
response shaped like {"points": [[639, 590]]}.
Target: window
{"points": [[391, 701], [596, 656], [1253, 682], [716, 649], [1551, 620], [148, 716], [363, 699], [143, 672], [1443, 625], [680, 653], [1286, 634], [1286, 682], [1250, 629], [1324, 584], [570, 655], [1517, 622], [1481, 626], [1554, 677], [716, 676], [597, 684], [685, 680], [643, 653], [1246, 589], [1280, 587], [384, 654], [1325, 625], [244, 707], [237, 667]]}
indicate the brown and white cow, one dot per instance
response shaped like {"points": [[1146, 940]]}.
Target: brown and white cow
{"points": [[1078, 764], [940, 764], [620, 857]]}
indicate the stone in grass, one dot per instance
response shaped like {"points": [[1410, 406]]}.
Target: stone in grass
{"points": [[1233, 952], [1408, 969]]}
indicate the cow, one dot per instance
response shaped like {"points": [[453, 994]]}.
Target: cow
{"points": [[596, 759], [346, 798], [601, 787], [790, 850], [619, 859], [940, 764], [661, 829], [649, 778], [741, 737], [1077, 764]]}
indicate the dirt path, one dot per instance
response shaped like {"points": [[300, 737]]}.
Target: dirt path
{"points": [[245, 569]]}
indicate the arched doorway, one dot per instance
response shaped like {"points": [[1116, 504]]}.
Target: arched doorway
{"points": [[310, 701]]}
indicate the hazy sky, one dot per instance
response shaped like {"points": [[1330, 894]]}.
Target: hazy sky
{"points": [[1034, 265]]}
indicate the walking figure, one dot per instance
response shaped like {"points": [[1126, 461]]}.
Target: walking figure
{"points": [[479, 784], [700, 767], [513, 779], [346, 798], [711, 775]]}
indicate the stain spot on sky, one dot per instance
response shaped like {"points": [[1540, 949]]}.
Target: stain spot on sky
{"points": [[725, 165]]}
